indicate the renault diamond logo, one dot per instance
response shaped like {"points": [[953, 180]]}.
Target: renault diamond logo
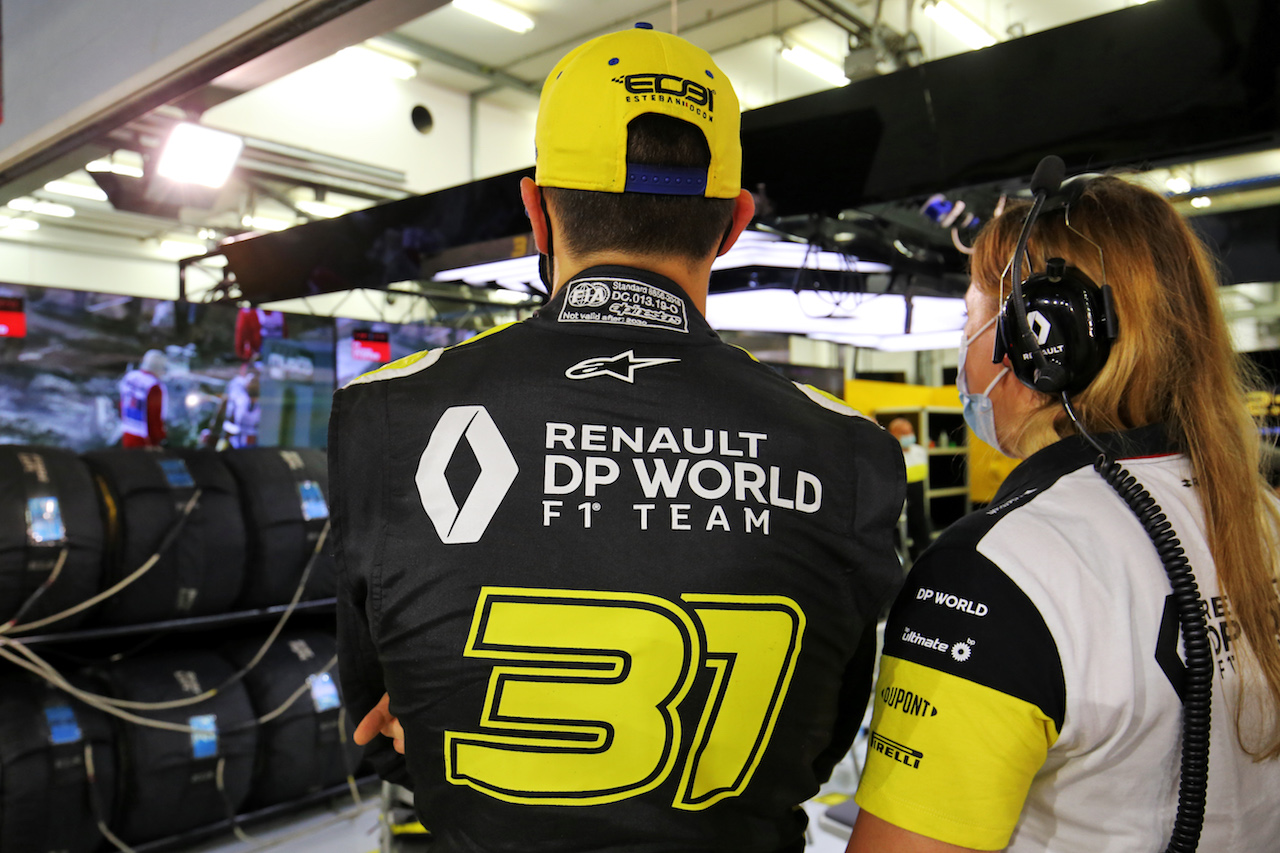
{"points": [[1039, 326], [459, 525], [621, 366]]}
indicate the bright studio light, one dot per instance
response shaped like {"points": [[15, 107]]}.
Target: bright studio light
{"points": [[199, 155], [496, 13], [957, 22], [818, 66], [1201, 201], [1178, 186]]}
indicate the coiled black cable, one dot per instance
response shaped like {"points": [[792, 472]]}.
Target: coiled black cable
{"points": [[1197, 688]]}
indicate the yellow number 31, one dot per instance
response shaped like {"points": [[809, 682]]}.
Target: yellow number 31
{"points": [[582, 710]]}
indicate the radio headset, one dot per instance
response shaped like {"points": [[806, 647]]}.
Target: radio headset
{"points": [[1056, 327]]}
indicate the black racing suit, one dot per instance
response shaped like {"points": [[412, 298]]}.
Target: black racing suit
{"points": [[619, 579]]}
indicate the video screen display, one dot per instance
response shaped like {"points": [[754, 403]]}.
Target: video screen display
{"points": [[80, 370], [363, 346]]}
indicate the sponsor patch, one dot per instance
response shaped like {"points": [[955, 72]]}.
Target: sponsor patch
{"points": [[898, 752], [623, 302], [622, 366], [908, 702]]}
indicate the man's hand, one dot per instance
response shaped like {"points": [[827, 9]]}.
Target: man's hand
{"points": [[379, 721]]}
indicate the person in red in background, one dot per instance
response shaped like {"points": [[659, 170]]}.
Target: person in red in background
{"points": [[254, 324], [142, 398]]}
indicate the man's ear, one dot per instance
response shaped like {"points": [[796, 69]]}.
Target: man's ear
{"points": [[531, 195], [744, 207]]}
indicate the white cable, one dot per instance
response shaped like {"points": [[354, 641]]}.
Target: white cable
{"points": [[91, 774], [208, 694]]}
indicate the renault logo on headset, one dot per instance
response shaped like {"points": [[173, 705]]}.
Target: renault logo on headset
{"points": [[467, 523], [1039, 326]]}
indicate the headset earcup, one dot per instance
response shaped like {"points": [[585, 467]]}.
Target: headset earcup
{"points": [[1067, 321]]}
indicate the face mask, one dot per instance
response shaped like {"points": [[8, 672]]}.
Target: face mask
{"points": [[979, 413], [906, 441]]}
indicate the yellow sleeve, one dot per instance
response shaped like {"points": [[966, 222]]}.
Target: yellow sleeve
{"points": [[949, 758]]}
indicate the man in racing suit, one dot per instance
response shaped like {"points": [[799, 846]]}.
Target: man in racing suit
{"points": [[618, 580]]}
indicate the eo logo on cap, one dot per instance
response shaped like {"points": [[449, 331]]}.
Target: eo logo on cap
{"points": [[670, 85]]}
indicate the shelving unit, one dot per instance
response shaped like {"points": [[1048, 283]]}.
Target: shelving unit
{"points": [[941, 430]]}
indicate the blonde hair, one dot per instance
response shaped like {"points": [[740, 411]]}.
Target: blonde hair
{"points": [[1173, 363]]}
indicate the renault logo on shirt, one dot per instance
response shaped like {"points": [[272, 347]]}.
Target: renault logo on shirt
{"points": [[466, 523]]}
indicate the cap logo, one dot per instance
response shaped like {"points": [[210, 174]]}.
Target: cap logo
{"points": [[667, 87]]}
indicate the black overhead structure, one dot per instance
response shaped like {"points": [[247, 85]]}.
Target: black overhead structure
{"points": [[1149, 85]]}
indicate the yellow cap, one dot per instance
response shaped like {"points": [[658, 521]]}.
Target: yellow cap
{"points": [[595, 91]]}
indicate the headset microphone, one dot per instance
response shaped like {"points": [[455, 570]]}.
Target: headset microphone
{"points": [[1048, 376]]}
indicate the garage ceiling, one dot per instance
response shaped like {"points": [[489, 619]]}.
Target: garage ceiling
{"points": [[460, 52]]}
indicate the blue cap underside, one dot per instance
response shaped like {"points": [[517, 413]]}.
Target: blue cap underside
{"points": [[666, 180]]}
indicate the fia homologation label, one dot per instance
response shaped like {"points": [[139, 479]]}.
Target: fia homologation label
{"points": [[623, 302]]}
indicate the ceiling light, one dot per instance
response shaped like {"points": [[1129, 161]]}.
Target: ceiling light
{"points": [[114, 167], [46, 208], [265, 223], [182, 248], [956, 21], [52, 208], [1178, 185], [496, 13], [760, 249], [93, 193], [816, 65], [1201, 201], [199, 155], [827, 313], [320, 209], [899, 343], [23, 225], [374, 63]]}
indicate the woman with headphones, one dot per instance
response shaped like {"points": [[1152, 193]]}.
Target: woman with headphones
{"points": [[1042, 687]]}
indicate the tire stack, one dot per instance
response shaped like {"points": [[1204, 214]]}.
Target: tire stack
{"points": [[47, 505], [143, 495], [46, 803], [168, 780], [284, 495], [304, 749]]}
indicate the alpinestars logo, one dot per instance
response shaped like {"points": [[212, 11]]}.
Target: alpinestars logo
{"points": [[460, 525], [621, 366], [1040, 326]]}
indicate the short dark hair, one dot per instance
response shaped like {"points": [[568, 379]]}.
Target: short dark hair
{"points": [[641, 223]]}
